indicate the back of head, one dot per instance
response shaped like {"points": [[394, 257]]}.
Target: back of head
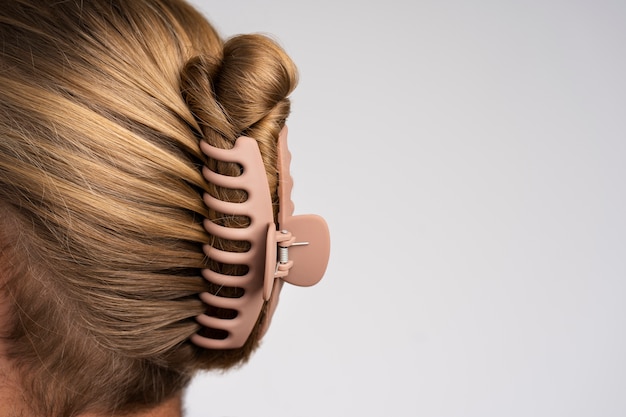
{"points": [[102, 106]]}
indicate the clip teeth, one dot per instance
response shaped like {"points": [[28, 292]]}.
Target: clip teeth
{"points": [[258, 208], [226, 207], [272, 254]]}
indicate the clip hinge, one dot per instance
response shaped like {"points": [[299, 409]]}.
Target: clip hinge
{"points": [[285, 240]]}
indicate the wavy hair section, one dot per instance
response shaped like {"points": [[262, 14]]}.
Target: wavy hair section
{"points": [[102, 106]]}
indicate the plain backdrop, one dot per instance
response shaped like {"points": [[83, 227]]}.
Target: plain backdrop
{"points": [[470, 159]]}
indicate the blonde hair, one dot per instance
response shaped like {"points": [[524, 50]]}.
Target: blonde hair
{"points": [[102, 106]]}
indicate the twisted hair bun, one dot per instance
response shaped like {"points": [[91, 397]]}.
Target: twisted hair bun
{"points": [[243, 93]]}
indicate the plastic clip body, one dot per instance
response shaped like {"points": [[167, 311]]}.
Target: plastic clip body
{"points": [[297, 251]]}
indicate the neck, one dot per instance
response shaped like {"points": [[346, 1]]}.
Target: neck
{"points": [[169, 408]]}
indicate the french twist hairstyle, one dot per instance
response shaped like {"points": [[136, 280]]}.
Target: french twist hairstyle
{"points": [[102, 107]]}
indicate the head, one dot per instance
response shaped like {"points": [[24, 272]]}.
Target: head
{"points": [[102, 108]]}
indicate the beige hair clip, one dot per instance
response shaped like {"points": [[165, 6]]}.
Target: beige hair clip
{"points": [[294, 251]]}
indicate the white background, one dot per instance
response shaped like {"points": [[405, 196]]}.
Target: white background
{"points": [[469, 157]]}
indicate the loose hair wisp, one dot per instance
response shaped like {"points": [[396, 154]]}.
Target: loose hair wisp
{"points": [[294, 251]]}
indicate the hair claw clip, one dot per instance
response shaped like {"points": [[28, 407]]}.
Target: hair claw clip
{"points": [[297, 251]]}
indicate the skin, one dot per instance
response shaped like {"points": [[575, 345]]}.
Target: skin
{"points": [[170, 408]]}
